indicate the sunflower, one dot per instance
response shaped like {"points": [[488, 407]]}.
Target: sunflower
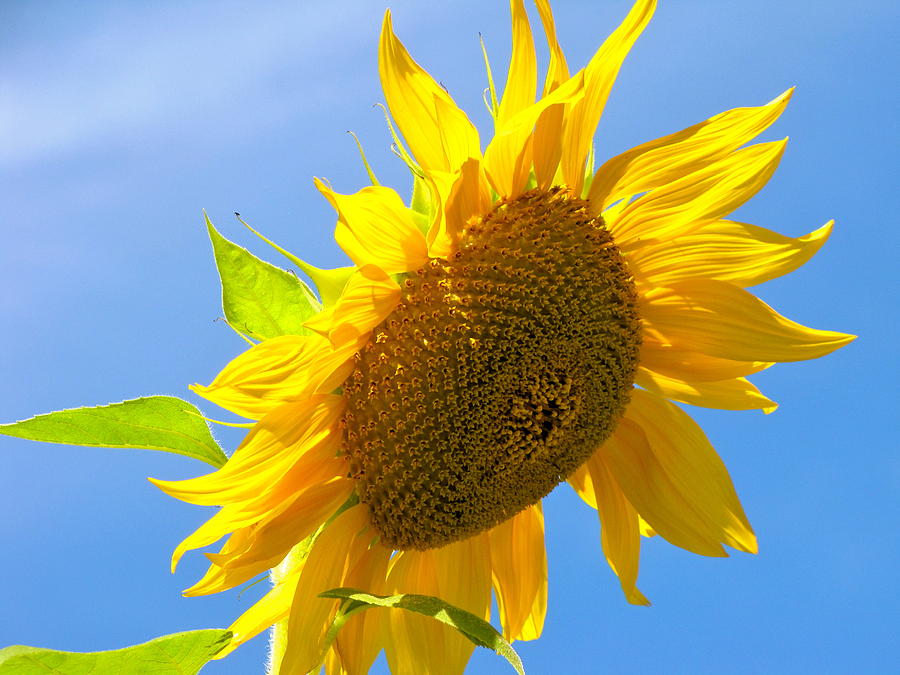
{"points": [[523, 322]]}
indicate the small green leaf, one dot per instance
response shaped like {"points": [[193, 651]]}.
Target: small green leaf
{"points": [[259, 299], [476, 629], [177, 654], [152, 423]]}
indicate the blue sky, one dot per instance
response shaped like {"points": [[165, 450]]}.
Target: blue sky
{"points": [[119, 122]]}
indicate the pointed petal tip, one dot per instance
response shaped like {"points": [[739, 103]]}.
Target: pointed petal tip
{"points": [[176, 558], [820, 234], [164, 485], [387, 29], [741, 537], [748, 544], [785, 96], [194, 591]]}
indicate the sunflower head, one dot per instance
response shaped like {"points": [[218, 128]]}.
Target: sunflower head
{"points": [[499, 372], [524, 320]]}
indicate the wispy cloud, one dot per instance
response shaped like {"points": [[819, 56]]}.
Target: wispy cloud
{"points": [[169, 62]]}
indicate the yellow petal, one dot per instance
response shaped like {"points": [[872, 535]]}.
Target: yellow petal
{"points": [[464, 577], [671, 474], [272, 373], [547, 146], [416, 644], [744, 255], [557, 69], [581, 482], [336, 551], [666, 159], [271, 447], [519, 568], [309, 506], [270, 540], [469, 195], [375, 227], [360, 639], [521, 80], [698, 198], [600, 74], [506, 160], [459, 574], [658, 500], [438, 143], [734, 394], [620, 534], [268, 610], [369, 296], [683, 364], [719, 319], [235, 544]]}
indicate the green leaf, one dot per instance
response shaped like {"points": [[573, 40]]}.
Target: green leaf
{"points": [[177, 654], [152, 423], [260, 300], [476, 629]]}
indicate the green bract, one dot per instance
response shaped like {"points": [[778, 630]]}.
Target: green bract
{"points": [[176, 654], [152, 423], [260, 300]]}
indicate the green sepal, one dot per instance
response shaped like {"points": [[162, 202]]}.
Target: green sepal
{"points": [[589, 172], [329, 283], [163, 423], [362, 154], [422, 204], [474, 628], [422, 201], [260, 300], [176, 654]]}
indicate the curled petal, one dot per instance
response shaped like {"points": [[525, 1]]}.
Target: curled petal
{"points": [[438, 141], [375, 227], [666, 159], [706, 195], [506, 159], [272, 373], [521, 80], [741, 254], [719, 319], [734, 394], [599, 76], [369, 296]]}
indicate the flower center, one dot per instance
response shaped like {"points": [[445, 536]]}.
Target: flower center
{"points": [[499, 373]]}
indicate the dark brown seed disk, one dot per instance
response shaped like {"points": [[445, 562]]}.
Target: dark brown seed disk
{"points": [[498, 374]]}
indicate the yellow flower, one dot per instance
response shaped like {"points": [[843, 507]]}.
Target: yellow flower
{"points": [[524, 322]]}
